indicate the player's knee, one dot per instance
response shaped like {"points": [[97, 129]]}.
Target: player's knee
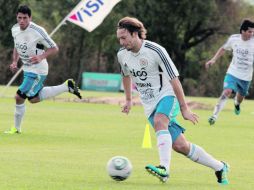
{"points": [[160, 123], [19, 100], [227, 92], [34, 100]]}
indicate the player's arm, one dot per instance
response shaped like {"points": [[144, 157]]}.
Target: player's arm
{"points": [[38, 58], [127, 90], [186, 113], [217, 55], [15, 59]]}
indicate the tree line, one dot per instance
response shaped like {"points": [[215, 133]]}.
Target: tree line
{"points": [[191, 31]]}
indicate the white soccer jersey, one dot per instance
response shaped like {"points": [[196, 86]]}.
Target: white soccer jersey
{"points": [[151, 69], [242, 62], [30, 42]]}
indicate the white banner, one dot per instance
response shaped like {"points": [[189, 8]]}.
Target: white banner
{"points": [[89, 14]]}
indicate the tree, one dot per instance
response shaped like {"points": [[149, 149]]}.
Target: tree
{"points": [[191, 31], [8, 19]]}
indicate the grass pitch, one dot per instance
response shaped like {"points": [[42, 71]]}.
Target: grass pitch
{"points": [[66, 145]]}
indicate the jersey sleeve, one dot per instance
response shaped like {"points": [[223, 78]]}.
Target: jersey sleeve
{"points": [[228, 45], [166, 64], [46, 40], [123, 67]]}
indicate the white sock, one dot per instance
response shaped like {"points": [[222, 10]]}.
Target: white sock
{"points": [[52, 91], [199, 155], [164, 143], [219, 106], [18, 115], [236, 101]]}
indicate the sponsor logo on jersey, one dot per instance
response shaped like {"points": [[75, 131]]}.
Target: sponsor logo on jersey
{"points": [[147, 94], [142, 85], [142, 74], [242, 52], [21, 47]]}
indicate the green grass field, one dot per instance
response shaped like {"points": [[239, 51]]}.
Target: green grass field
{"points": [[66, 145]]}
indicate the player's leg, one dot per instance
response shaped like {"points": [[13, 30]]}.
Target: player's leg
{"points": [[24, 88], [19, 112], [220, 105], [242, 91], [52, 91], [18, 115], [160, 120], [237, 101], [229, 87], [164, 144], [199, 155]]}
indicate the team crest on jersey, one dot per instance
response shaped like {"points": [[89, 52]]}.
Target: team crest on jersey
{"points": [[143, 62]]}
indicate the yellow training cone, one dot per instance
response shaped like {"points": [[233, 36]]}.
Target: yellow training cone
{"points": [[147, 138]]}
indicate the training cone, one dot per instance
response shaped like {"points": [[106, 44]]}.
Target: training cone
{"points": [[147, 138]]}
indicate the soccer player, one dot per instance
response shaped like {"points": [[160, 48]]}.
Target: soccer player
{"points": [[29, 42], [149, 66], [239, 73]]}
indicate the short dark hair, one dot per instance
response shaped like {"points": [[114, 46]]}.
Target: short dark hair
{"points": [[25, 10], [246, 24]]}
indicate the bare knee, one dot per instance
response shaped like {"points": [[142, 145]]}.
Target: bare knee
{"points": [[34, 100], [161, 122], [227, 92], [18, 99]]}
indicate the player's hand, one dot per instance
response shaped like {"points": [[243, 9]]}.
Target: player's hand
{"points": [[36, 59], [14, 67], [188, 115], [209, 63], [127, 107]]}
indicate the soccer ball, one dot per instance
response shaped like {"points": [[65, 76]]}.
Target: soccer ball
{"points": [[119, 168]]}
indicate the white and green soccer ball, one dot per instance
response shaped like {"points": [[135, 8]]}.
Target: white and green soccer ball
{"points": [[119, 168]]}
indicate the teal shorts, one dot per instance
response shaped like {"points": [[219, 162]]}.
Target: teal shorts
{"points": [[169, 106], [237, 85], [31, 85]]}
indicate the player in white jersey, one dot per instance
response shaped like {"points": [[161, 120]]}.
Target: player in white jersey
{"points": [[29, 43], [149, 66], [240, 70]]}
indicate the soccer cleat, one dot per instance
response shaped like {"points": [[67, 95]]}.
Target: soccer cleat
{"points": [[73, 88], [237, 109], [12, 130], [158, 171], [211, 120], [222, 175]]}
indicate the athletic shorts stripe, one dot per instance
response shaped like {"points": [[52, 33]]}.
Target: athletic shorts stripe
{"points": [[32, 84]]}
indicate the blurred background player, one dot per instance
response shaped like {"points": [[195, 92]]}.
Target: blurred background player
{"points": [[156, 78], [29, 42], [240, 70]]}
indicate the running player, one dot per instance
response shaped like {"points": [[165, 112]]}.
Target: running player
{"points": [[149, 66], [240, 70], [29, 43]]}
